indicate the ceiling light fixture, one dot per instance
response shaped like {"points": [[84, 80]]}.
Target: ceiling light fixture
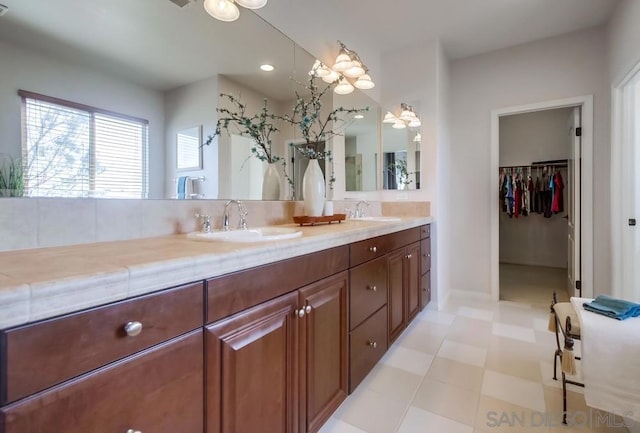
{"points": [[358, 116], [267, 67], [407, 117], [348, 64], [226, 10]]}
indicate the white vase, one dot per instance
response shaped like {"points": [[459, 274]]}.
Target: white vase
{"points": [[313, 189], [271, 183]]}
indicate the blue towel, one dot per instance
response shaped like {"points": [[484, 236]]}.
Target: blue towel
{"points": [[182, 187], [612, 307]]}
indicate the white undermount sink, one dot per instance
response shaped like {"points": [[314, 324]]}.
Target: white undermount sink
{"points": [[262, 234], [382, 219]]}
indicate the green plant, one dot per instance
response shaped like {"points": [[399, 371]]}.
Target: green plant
{"points": [[11, 177], [258, 126], [315, 126], [399, 167]]}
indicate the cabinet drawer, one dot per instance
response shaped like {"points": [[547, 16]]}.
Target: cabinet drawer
{"points": [[230, 294], [425, 248], [158, 390], [368, 342], [425, 231], [46, 353], [367, 290], [369, 249]]}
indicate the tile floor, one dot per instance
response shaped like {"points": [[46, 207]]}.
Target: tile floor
{"points": [[475, 367]]}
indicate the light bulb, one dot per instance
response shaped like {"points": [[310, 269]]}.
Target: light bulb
{"points": [[344, 88], [355, 70], [364, 82], [343, 62], [331, 77], [252, 4], [223, 10], [414, 123], [407, 115]]}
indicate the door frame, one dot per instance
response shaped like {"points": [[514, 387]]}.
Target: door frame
{"points": [[586, 193]]}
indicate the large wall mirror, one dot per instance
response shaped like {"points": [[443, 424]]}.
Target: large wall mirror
{"points": [[401, 148], [144, 68]]}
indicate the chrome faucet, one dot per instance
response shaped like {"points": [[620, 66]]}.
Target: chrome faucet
{"points": [[206, 222], [242, 212], [359, 213]]}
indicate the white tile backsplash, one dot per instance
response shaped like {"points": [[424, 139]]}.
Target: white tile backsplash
{"points": [[27, 223]]}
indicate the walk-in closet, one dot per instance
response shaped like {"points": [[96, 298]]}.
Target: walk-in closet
{"points": [[536, 199]]}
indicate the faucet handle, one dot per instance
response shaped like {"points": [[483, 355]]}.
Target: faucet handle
{"points": [[206, 221], [242, 223]]}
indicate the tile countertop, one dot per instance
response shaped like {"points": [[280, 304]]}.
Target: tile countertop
{"points": [[42, 283]]}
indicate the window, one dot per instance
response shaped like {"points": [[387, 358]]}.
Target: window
{"points": [[73, 150]]}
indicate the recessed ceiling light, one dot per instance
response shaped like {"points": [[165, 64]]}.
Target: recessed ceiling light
{"points": [[267, 67], [358, 116]]}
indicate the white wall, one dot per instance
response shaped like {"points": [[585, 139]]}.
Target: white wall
{"points": [[35, 72], [623, 33], [561, 67], [192, 105]]}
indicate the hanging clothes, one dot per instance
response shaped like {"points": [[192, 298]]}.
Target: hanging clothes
{"points": [[530, 194], [558, 203], [509, 198], [517, 195]]}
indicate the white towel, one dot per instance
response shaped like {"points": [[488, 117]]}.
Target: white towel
{"points": [[610, 361]]}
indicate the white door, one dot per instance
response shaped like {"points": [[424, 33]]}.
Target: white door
{"points": [[573, 199]]}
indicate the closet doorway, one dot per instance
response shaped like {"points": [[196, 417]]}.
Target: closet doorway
{"points": [[537, 239]]}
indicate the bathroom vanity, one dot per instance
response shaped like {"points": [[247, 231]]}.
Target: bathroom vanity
{"points": [[260, 338]]}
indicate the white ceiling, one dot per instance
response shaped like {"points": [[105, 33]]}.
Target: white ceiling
{"points": [[465, 27]]}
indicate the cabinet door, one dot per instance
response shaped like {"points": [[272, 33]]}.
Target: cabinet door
{"points": [[396, 298], [158, 390], [412, 281], [251, 361], [324, 357]]}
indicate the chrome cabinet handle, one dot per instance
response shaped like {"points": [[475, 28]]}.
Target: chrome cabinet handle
{"points": [[373, 249], [307, 309], [372, 344], [409, 256], [300, 312], [372, 288], [132, 329], [133, 431]]}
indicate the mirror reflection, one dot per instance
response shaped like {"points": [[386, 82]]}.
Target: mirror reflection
{"points": [[148, 60], [401, 143], [361, 138]]}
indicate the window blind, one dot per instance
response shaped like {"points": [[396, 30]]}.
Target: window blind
{"points": [[73, 150]]}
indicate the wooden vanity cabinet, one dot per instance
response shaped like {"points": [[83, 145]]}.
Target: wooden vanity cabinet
{"points": [[280, 366], [157, 390], [404, 288]]}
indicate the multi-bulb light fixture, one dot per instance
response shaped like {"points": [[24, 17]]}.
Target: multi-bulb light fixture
{"points": [[407, 117], [226, 10], [348, 65]]}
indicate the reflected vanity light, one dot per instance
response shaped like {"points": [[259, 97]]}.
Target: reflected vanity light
{"points": [[407, 117], [267, 67], [358, 116], [417, 138], [226, 10], [348, 64]]}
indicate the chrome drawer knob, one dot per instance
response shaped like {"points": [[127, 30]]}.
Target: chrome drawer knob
{"points": [[373, 249], [132, 329], [133, 431], [372, 344], [300, 312], [307, 309], [372, 288], [409, 256]]}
